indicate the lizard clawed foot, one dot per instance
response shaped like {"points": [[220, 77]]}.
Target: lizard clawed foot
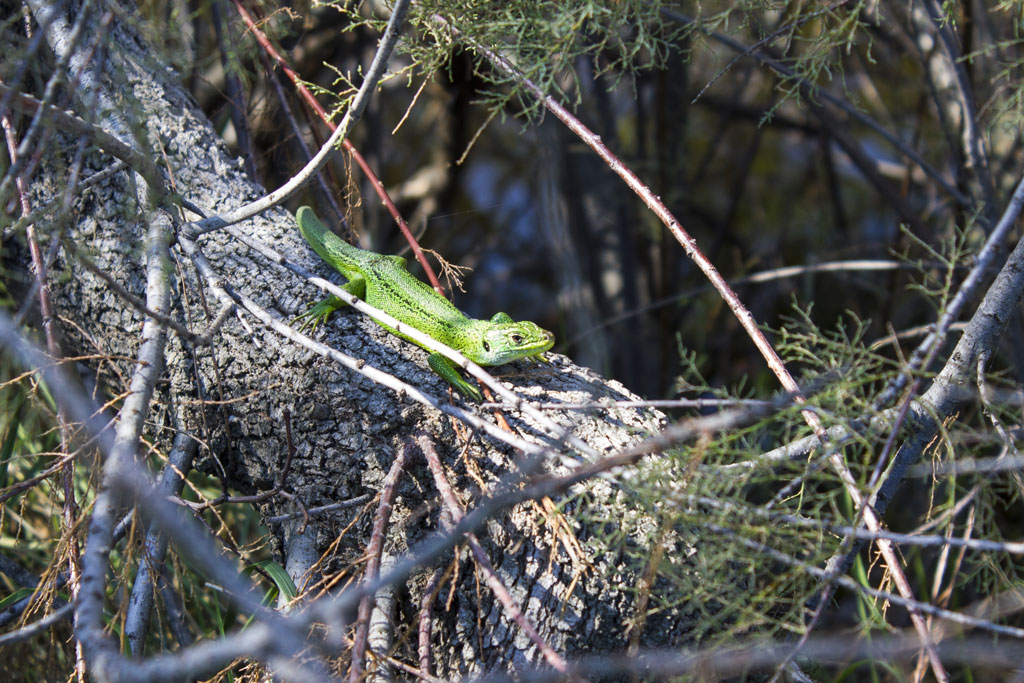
{"points": [[317, 314]]}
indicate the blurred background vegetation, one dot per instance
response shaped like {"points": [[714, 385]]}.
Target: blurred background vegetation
{"points": [[758, 172]]}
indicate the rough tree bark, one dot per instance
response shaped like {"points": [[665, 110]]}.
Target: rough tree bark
{"points": [[346, 429]]}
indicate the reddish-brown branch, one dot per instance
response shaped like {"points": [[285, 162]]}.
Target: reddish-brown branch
{"points": [[426, 606], [454, 508], [286, 111], [378, 185], [69, 512], [659, 209], [374, 551], [745, 317]]}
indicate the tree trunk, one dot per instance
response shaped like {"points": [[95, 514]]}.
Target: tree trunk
{"points": [[236, 395]]}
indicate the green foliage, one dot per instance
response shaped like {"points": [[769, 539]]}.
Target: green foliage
{"points": [[283, 585], [729, 531], [543, 40]]}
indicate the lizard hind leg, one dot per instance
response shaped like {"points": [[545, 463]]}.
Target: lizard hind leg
{"points": [[319, 312]]}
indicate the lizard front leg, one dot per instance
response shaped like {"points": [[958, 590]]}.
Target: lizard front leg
{"points": [[443, 367], [322, 310]]}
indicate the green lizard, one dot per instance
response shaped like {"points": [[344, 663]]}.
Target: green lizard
{"points": [[383, 282]]}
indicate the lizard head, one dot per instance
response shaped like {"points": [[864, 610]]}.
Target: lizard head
{"points": [[502, 340]]}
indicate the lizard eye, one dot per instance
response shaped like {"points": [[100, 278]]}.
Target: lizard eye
{"points": [[487, 347], [516, 339]]}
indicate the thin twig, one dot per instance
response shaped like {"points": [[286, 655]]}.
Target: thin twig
{"points": [[973, 141], [300, 140], [377, 184], [770, 275], [374, 550], [233, 92], [512, 610], [37, 125], [134, 301], [424, 627], [72, 123], [140, 601], [912, 606], [43, 16], [600, 405], [746, 658], [814, 91], [985, 261], [684, 501], [38, 626], [320, 510], [352, 114], [99, 649]]}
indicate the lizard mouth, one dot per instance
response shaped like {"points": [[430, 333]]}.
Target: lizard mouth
{"points": [[538, 346], [542, 345]]}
